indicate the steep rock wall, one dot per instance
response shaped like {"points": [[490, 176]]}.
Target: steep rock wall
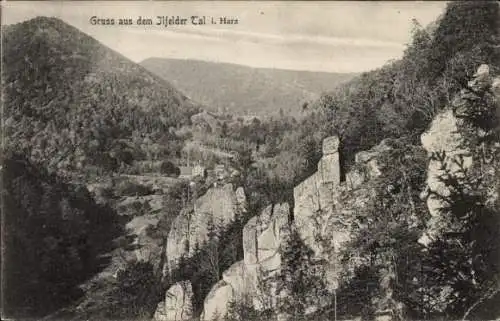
{"points": [[262, 237], [218, 206], [448, 153], [443, 143], [324, 209]]}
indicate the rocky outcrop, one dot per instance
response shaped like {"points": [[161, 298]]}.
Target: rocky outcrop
{"points": [[145, 247], [262, 234], [323, 215], [325, 206], [218, 207], [445, 143], [317, 193], [370, 159], [241, 199], [178, 304], [216, 302], [229, 289], [326, 209], [262, 237]]}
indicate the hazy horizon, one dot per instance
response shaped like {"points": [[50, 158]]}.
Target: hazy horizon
{"points": [[247, 66], [348, 37]]}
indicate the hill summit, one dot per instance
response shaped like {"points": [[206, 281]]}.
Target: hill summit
{"points": [[68, 97]]}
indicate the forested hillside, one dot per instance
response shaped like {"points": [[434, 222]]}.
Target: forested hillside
{"points": [[333, 215], [402, 97], [241, 90], [75, 105], [76, 114], [399, 100]]}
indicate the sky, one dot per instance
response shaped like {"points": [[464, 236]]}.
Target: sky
{"points": [[317, 36]]}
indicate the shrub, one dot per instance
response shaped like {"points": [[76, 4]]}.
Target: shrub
{"points": [[129, 188], [244, 311], [138, 292], [169, 169]]}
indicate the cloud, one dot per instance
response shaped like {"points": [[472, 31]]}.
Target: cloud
{"points": [[275, 39], [338, 36]]}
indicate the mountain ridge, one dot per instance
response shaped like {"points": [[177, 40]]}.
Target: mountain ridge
{"points": [[227, 87]]}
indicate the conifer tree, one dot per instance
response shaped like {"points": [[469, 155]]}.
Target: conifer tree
{"points": [[299, 282]]}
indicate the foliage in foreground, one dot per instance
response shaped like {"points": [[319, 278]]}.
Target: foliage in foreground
{"points": [[138, 291]]}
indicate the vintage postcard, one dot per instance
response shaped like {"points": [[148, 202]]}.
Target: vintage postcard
{"points": [[250, 160]]}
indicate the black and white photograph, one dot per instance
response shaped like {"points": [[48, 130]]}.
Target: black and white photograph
{"points": [[250, 160]]}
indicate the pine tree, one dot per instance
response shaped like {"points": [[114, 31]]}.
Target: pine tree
{"points": [[299, 282], [212, 254], [137, 293]]}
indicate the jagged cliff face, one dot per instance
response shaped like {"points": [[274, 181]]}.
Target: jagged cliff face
{"points": [[262, 238], [315, 196], [324, 210], [445, 143], [218, 207]]}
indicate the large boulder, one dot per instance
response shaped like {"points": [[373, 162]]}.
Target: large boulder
{"points": [[235, 277], [368, 164], [241, 198], [481, 79], [216, 303], [178, 304], [444, 144], [369, 159]]}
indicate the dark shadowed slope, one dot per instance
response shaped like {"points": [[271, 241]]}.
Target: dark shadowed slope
{"points": [[244, 90], [55, 238], [72, 103]]}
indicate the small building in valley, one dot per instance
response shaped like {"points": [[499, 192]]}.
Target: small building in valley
{"points": [[199, 171]]}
